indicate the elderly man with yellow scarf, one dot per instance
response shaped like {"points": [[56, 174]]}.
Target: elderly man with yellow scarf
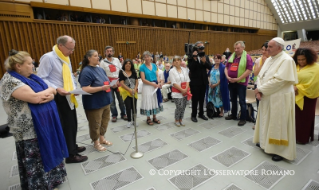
{"points": [[56, 71]]}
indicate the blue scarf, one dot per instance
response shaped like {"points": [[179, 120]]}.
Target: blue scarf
{"points": [[47, 125], [224, 88], [159, 95], [166, 74]]}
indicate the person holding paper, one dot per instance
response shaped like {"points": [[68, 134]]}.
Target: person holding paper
{"points": [[112, 71], [128, 88], [180, 90], [56, 71], [97, 105], [151, 103]]}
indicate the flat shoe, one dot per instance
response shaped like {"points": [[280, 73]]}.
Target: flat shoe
{"points": [[99, 148], [108, 143], [177, 124]]}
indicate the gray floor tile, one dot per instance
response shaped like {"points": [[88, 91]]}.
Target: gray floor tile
{"points": [[82, 120], [167, 159], [302, 153], [263, 178], [232, 187], [83, 138], [311, 185], [184, 133], [165, 126], [151, 145], [89, 149], [249, 142], [14, 171], [211, 124], [194, 178], [14, 155], [231, 131], [117, 180], [119, 128], [15, 187], [102, 162], [204, 143], [230, 156], [140, 133]]}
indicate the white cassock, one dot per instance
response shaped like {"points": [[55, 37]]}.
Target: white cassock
{"points": [[275, 126]]}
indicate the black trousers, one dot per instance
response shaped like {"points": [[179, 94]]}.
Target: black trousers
{"points": [[198, 91], [69, 123], [129, 108]]}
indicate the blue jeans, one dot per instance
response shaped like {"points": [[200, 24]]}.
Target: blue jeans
{"points": [[113, 105], [239, 90]]}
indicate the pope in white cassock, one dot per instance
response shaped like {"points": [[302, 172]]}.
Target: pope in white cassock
{"points": [[275, 126]]}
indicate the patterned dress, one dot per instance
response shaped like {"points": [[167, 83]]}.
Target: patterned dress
{"points": [[31, 171], [214, 94]]}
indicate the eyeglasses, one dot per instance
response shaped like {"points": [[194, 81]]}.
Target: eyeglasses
{"points": [[68, 48]]}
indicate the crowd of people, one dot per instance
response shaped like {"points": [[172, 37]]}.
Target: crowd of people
{"points": [[42, 111]]}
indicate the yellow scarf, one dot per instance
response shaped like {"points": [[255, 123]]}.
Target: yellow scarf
{"points": [[308, 83], [124, 93], [66, 73]]}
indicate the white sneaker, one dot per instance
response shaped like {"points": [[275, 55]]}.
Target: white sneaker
{"points": [[129, 124], [205, 109], [190, 106]]}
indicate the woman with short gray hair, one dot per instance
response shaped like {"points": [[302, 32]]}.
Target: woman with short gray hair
{"points": [[151, 102]]}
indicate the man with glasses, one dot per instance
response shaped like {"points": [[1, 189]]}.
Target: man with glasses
{"points": [[56, 71], [198, 63]]}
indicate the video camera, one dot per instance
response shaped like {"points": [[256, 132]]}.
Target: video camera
{"points": [[190, 48]]}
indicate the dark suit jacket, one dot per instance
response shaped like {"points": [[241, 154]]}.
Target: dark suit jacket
{"points": [[197, 71], [228, 54]]}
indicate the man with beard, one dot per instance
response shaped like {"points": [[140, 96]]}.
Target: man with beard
{"points": [[112, 72]]}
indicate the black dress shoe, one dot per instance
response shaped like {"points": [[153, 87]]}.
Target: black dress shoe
{"points": [[277, 158], [230, 117], [81, 149], [258, 145], [76, 159], [203, 117], [241, 123], [194, 119]]}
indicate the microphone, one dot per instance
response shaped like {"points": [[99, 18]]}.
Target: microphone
{"points": [[135, 154], [107, 61]]}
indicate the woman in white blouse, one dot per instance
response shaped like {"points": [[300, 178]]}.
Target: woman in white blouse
{"points": [[180, 81]]}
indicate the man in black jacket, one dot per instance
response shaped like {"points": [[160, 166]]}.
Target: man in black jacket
{"points": [[198, 75]]}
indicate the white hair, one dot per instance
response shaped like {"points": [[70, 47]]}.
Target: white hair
{"points": [[242, 44]]}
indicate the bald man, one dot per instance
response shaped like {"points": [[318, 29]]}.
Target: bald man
{"points": [[53, 74]]}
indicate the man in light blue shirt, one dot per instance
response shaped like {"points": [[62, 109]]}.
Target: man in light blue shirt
{"points": [[50, 70]]}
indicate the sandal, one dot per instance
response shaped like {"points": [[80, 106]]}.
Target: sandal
{"points": [[108, 143], [149, 122], [165, 100], [99, 147], [156, 121]]}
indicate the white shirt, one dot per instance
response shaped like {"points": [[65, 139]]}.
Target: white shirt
{"points": [[160, 74], [106, 67], [177, 78]]}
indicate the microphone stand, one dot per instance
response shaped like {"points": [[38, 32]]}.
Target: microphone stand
{"points": [[135, 154]]}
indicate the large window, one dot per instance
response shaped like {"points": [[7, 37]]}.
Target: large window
{"points": [[290, 11]]}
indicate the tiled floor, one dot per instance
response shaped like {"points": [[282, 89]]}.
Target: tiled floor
{"points": [[177, 158]]}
